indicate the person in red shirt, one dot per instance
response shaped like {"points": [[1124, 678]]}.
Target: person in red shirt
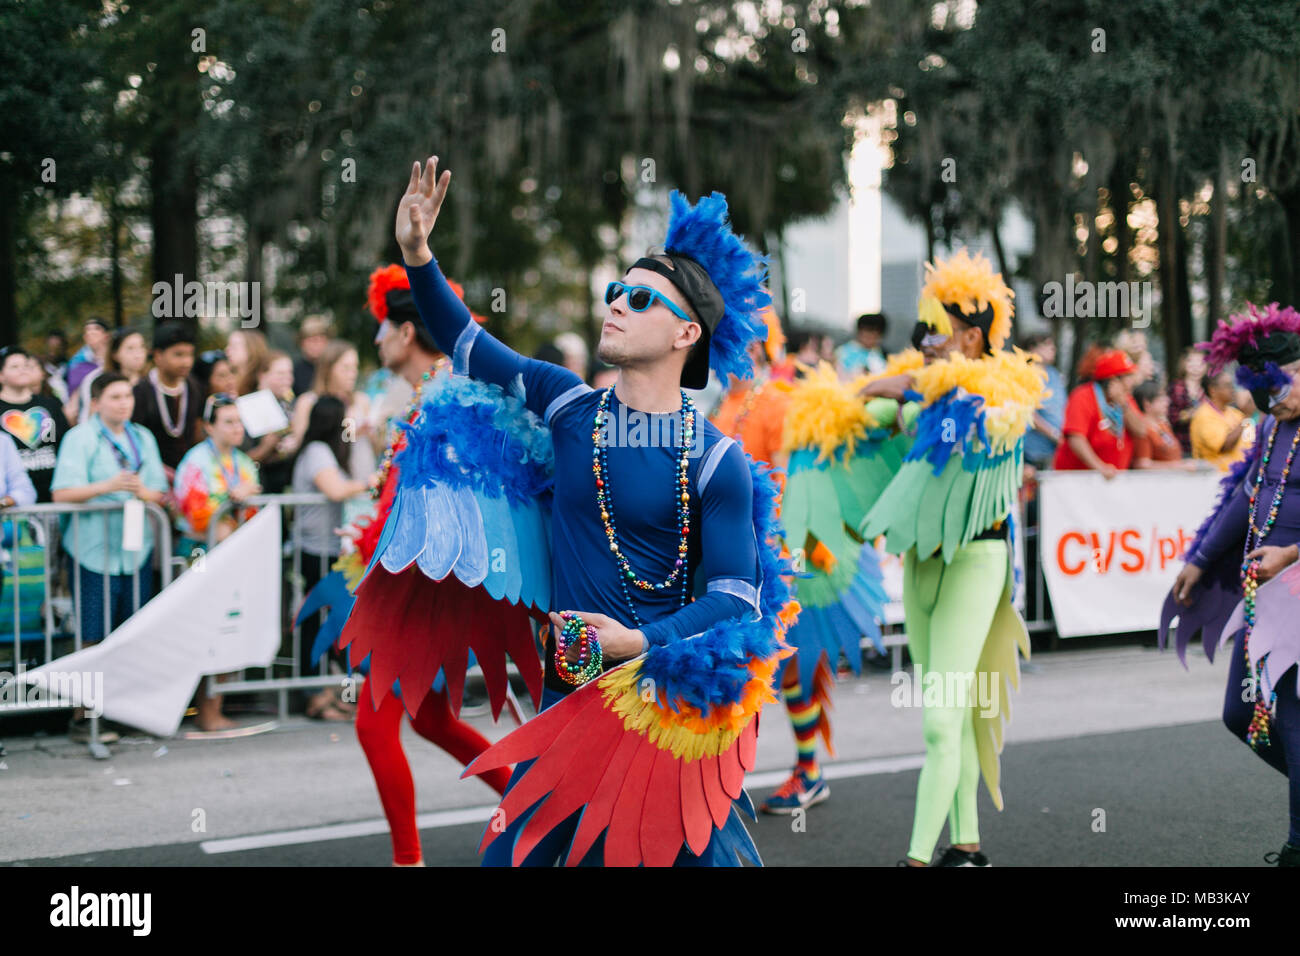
{"points": [[1101, 420]]}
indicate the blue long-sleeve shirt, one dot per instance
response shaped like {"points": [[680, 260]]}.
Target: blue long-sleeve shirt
{"points": [[722, 559], [1230, 526]]}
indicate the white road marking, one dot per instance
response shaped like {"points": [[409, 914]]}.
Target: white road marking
{"points": [[344, 831], [455, 818]]}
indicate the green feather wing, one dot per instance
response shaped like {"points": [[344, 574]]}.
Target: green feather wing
{"points": [[945, 511], [999, 665]]}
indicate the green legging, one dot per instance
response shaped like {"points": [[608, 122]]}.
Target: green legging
{"points": [[949, 611]]}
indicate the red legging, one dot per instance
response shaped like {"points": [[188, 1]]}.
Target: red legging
{"points": [[380, 734]]}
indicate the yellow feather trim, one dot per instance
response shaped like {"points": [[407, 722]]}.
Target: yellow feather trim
{"points": [[825, 413], [688, 733], [969, 283], [353, 569], [900, 363], [1012, 383]]}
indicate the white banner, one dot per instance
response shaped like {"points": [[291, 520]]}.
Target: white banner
{"points": [[1110, 550], [221, 615]]}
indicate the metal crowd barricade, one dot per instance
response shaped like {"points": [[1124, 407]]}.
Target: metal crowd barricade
{"points": [[298, 560], [1035, 584], [60, 612]]}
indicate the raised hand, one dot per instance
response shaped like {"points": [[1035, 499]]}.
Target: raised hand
{"points": [[418, 210]]}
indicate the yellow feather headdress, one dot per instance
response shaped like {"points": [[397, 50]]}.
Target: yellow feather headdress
{"points": [[970, 284]]}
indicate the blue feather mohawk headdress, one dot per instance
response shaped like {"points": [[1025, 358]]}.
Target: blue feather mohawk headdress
{"points": [[703, 233]]}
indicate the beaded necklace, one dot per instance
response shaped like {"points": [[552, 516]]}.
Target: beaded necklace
{"points": [[161, 392], [604, 501], [1257, 734], [590, 660], [386, 463]]}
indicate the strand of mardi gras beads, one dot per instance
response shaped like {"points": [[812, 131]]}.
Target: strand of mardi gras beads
{"points": [[1257, 734], [605, 502], [590, 660]]}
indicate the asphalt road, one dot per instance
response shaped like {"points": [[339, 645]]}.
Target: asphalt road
{"points": [[1187, 795]]}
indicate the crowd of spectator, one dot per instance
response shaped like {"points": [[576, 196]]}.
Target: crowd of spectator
{"points": [[1125, 414], [136, 414]]}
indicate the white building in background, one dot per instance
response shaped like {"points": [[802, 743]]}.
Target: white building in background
{"points": [[867, 256]]}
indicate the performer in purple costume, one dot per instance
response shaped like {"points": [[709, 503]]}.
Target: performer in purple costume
{"points": [[1242, 577]]}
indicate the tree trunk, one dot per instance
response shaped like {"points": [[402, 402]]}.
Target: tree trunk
{"points": [[173, 213], [115, 256], [1007, 277], [8, 270], [1184, 285], [1285, 283], [256, 241], [1119, 203], [784, 311], [590, 324], [1216, 246], [1167, 226]]}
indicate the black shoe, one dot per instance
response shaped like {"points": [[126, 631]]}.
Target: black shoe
{"points": [[955, 857], [1288, 856]]}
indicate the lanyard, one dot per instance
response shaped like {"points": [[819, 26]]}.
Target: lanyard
{"points": [[132, 463], [1114, 415], [231, 477]]}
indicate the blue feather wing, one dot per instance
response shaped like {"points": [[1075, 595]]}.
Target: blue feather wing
{"points": [[330, 592]]}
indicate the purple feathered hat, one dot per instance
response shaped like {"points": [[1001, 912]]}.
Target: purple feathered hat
{"points": [[1261, 342]]}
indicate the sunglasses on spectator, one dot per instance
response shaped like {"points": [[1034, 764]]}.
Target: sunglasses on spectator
{"points": [[641, 297], [214, 402]]}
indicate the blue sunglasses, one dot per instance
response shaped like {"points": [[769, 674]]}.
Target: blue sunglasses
{"points": [[641, 297]]}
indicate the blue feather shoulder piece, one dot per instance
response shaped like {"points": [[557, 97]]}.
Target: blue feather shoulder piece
{"points": [[703, 232]]}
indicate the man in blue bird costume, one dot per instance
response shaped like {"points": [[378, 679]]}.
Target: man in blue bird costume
{"points": [[667, 603]]}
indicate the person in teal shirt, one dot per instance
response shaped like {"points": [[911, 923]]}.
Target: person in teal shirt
{"points": [[863, 353], [108, 458]]}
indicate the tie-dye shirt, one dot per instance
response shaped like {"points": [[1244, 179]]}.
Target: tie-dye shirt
{"points": [[203, 483], [37, 426]]}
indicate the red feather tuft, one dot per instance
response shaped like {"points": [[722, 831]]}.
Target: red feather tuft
{"points": [[385, 280], [382, 282]]}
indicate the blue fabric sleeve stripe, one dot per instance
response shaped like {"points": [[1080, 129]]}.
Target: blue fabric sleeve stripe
{"points": [[563, 399], [737, 587], [710, 463], [464, 342]]}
